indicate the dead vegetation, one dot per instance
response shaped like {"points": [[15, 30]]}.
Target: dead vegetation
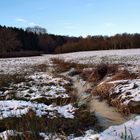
{"points": [[99, 72], [62, 66], [7, 79], [104, 88], [56, 101], [39, 67], [123, 109], [100, 76], [30, 125], [123, 75]]}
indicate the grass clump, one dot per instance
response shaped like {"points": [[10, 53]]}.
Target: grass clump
{"points": [[57, 101], [102, 90], [39, 68], [123, 75], [128, 135], [7, 79], [62, 66], [99, 72]]}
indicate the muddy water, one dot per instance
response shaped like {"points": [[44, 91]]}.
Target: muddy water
{"points": [[105, 114]]}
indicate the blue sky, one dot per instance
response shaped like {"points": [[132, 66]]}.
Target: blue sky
{"points": [[73, 17]]}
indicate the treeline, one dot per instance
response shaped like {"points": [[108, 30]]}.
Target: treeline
{"points": [[90, 43], [29, 42], [35, 41]]}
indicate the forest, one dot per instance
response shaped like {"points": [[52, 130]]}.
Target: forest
{"points": [[32, 41]]}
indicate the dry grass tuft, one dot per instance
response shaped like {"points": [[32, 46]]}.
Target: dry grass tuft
{"points": [[123, 75], [102, 90], [62, 66], [123, 109], [99, 72], [39, 68], [7, 79]]}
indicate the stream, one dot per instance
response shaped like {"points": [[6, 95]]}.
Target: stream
{"points": [[106, 115]]}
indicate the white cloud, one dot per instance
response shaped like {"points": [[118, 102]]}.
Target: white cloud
{"points": [[26, 22], [21, 20]]}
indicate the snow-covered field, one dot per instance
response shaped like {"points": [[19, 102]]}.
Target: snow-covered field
{"points": [[130, 56], [13, 108], [39, 86], [20, 98], [129, 89]]}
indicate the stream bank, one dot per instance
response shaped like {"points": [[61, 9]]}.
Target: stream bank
{"points": [[105, 114]]}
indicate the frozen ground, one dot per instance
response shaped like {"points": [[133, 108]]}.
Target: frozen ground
{"points": [[120, 132], [13, 108], [127, 131], [42, 85], [127, 90], [130, 56]]}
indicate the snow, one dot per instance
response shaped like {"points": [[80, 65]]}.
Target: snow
{"points": [[129, 89], [67, 111], [131, 56], [13, 108], [40, 85], [129, 130], [4, 135]]}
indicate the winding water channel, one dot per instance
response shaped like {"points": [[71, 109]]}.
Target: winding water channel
{"points": [[106, 115]]}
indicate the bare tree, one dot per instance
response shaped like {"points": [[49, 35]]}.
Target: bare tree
{"points": [[8, 40], [36, 29]]}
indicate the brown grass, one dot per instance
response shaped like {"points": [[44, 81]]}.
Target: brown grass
{"points": [[62, 66], [99, 72], [102, 90], [28, 122], [57, 101], [31, 125], [7, 79], [123, 75], [39, 68], [123, 109]]}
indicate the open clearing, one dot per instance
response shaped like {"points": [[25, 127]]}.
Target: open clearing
{"points": [[67, 104]]}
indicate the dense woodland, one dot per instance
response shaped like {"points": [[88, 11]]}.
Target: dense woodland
{"points": [[35, 41]]}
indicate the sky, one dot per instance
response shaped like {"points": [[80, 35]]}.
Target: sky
{"points": [[73, 17]]}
